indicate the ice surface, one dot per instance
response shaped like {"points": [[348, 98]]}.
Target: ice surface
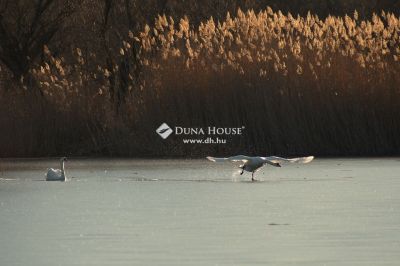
{"points": [[195, 212]]}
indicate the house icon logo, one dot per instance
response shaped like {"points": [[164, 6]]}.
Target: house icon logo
{"points": [[164, 131]]}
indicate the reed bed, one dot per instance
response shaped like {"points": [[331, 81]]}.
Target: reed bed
{"points": [[299, 85]]}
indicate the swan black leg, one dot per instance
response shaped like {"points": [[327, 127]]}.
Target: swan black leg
{"points": [[252, 176], [241, 173]]}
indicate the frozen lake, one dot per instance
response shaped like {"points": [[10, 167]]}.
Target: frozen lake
{"points": [[195, 212]]}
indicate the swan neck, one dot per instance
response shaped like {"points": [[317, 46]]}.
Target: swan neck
{"points": [[62, 169]]}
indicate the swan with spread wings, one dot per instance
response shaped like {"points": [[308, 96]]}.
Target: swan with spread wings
{"points": [[252, 164]]}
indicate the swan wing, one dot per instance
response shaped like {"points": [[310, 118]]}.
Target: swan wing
{"points": [[57, 171], [53, 174], [276, 159], [237, 158]]}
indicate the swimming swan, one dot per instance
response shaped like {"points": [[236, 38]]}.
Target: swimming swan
{"points": [[57, 174], [252, 164]]}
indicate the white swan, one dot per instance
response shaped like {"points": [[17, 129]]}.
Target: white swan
{"points": [[57, 174], [252, 164]]}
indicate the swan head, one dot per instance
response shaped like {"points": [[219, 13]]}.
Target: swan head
{"points": [[63, 159], [278, 165]]}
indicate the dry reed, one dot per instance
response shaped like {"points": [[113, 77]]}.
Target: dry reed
{"points": [[298, 84]]}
